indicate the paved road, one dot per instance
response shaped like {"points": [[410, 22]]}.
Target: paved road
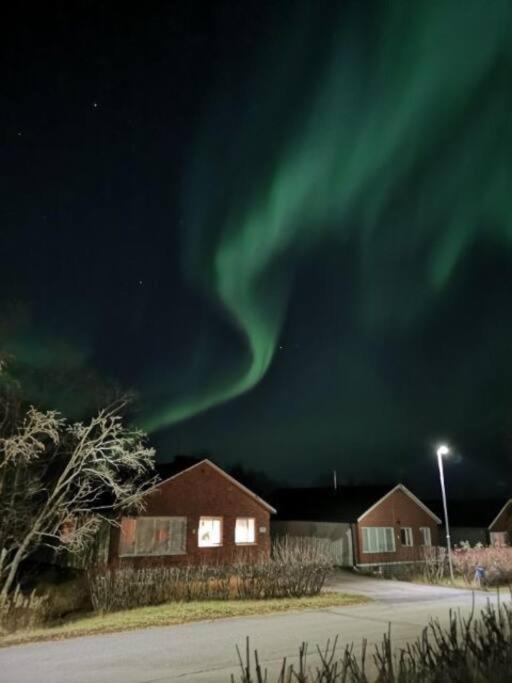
{"points": [[205, 651], [394, 592]]}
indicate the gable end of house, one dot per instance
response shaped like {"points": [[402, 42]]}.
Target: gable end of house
{"points": [[410, 494], [226, 476], [494, 521]]}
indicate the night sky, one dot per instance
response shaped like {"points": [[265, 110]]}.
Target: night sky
{"points": [[286, 226]]}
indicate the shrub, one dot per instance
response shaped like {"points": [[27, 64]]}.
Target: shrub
{"points": [[115, 589], [297, 567], [497, 562], [466, 651], [65, 597], [435, 565], [22, 611], [429, 564]]}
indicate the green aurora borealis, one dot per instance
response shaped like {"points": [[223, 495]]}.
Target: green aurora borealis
{"points": [[286, 225], [385, 143]]}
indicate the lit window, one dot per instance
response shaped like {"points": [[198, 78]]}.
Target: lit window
{"points": [[406, 536], [153, 536], [378, 539], [210, 532], [245, 531], [426, 538]]}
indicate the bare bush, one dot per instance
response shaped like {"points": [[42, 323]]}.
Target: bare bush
{"points": [[19, 611], [428, 563], [297, 567], [114, 589], [496, 561], [65, 597], [431, 565], [301, 550], [471, 650], [435, 563]]}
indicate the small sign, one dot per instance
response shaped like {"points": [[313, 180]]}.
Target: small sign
{"points": [[263, 529]]}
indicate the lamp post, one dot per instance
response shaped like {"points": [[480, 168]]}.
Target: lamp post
{"points": [[444, 450]]}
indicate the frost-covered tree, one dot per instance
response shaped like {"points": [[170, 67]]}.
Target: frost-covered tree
{"points": [[59, 481]]}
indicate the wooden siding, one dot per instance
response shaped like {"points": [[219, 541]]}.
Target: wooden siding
{"points": [[503, 521], [203, 491], [396, 511]]}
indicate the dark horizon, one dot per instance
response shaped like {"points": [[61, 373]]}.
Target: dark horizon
{"points": [[426, 487]]}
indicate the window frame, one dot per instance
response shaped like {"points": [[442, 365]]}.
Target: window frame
{"points": [[221, 526], [154, 519], [409, 536], [422, 534], [366, 536], [250, 519]]}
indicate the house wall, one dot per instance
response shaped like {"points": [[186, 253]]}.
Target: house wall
{"points": [[336, 537], [504, 521], [397, 510], [202, 491]]}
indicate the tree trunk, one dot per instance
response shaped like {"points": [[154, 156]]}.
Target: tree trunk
{"points": [[14, 565]]}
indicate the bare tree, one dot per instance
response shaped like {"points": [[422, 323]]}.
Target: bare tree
{"points": [[60, 481]]}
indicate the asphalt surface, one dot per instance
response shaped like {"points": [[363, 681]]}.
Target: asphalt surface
{"points": [[395, 592], [205, 651]]}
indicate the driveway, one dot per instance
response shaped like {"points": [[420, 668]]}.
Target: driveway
{"points": [[391, 591], [205, 651]]}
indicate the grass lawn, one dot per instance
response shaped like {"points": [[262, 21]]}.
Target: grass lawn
{"points": [[175, 613]]}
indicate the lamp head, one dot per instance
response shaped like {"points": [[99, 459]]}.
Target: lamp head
{"points": [[442, 450]]}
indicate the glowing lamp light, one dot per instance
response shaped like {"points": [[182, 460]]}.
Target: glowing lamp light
{"points": [[442, 450]]}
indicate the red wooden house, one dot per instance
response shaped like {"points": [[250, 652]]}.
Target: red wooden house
{"points": [[501, 526], [476, 520], [365, 525], [198, 515]]}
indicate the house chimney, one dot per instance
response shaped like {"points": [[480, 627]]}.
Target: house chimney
{"points": [[335, 480]]}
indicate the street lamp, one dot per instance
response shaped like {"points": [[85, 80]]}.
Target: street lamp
{"points": [[444, 450]]}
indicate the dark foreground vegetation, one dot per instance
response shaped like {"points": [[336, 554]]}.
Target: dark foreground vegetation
{"points": [[471, 650]]}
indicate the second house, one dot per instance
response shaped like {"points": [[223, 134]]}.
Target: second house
{"points": [[364, 526]]}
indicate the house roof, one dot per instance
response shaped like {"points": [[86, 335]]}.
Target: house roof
{"points": [[469, 513], [345, 504], [410, 494], [173, 470], [502, 509]]}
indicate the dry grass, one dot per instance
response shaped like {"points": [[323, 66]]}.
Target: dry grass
{"points": [[176, 613]]}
